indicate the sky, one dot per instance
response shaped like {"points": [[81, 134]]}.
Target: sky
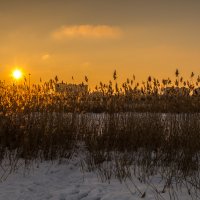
{"points": [[92, 37]]}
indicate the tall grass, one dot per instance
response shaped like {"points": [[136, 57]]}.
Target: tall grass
{"points": [[151, 95], [129, 131]]}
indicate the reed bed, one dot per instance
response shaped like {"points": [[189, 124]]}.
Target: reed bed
{"points": [[129, 132]]}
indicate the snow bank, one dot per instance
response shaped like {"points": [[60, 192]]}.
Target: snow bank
{"points": [[65, 181]]}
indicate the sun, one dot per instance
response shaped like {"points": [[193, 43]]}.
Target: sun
{"points": [[17, 74]]}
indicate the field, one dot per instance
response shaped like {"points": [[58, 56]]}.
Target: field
{"points": [[145, 136]]}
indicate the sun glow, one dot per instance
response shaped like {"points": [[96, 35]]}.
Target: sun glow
{"points": [[17, 74]]}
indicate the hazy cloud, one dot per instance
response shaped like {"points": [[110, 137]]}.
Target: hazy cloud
{"points": [[88, 31], [45, 57]]}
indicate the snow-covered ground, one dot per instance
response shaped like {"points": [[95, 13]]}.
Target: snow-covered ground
{"points": [[65, 181]]}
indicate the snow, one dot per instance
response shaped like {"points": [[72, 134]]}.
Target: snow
{"points": [[66, 181]]}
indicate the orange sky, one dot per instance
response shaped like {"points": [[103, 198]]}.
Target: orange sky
{"points": [[91, 37]]}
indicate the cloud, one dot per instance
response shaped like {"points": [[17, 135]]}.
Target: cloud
{"points": [[88, 31], [45, 57], [86, 64]]}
